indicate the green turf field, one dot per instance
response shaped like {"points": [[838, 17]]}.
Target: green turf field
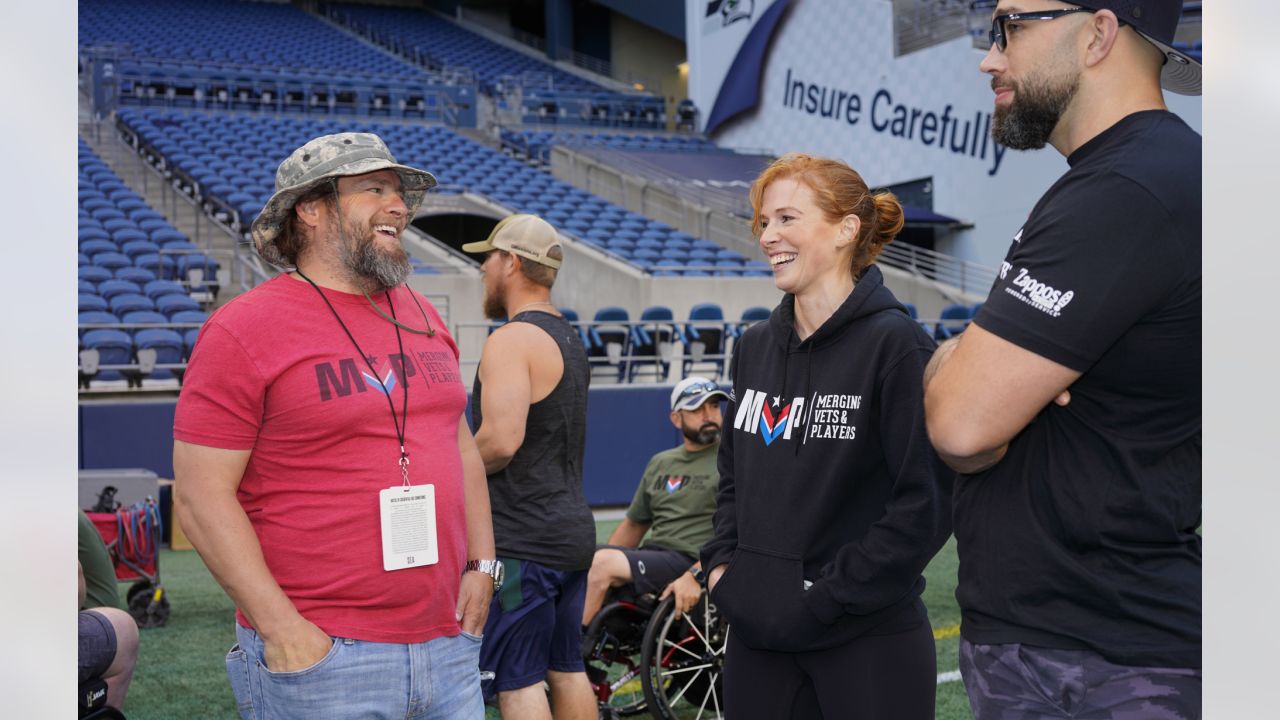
{"points": [[180, 670]]}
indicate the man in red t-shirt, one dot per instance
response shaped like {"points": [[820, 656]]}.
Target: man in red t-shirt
{"points": [[324, 469]]}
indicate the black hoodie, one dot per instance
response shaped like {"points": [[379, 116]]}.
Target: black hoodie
{"points": [[827, 476]]}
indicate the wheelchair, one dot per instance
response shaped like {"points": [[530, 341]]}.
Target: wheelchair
{"points": [[642, 657]]}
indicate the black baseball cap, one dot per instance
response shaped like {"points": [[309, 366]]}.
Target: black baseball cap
{"points": [[1157, 21]]}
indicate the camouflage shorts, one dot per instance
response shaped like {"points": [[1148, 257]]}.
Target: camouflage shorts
{"points": [[1019, 682]]}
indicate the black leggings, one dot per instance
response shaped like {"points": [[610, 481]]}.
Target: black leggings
{"points": [[880, 677]]}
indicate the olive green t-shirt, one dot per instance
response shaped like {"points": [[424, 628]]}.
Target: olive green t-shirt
{"points": [[677, 498], [99, 572]]}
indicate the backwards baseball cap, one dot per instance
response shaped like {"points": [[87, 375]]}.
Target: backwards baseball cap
{"points": [[1157, 21], [691, 392], [320, 160], [528, 236]]}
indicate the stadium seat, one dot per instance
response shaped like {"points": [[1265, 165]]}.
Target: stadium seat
{"points": [[953, 320], [168, 345], [122, 304], [138, 275], [170, 304], [704, 336], [609, 327], [100, 317], [651, 342], [114, 347], [158, 288], [111, 288], [89, 303], [93, 273]]}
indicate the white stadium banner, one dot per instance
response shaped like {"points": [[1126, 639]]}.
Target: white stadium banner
{"points": [[900, 99]]}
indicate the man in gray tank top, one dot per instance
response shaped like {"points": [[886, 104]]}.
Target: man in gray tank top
{"points": [[529, 407]]}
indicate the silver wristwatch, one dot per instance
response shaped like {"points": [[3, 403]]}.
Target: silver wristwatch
{"points": [[492, 568]]}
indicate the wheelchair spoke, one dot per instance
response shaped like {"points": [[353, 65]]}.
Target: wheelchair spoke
{"points": [[709, 696], [701, 636], [684, 669], [681, 648], [687, 685]]}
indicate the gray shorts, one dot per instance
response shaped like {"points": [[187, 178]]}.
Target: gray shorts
{"points": [[97, 644], [654, 567], [1021, 682]]}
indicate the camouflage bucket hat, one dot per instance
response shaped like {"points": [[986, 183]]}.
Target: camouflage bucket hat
{"points": [[322, 159]]}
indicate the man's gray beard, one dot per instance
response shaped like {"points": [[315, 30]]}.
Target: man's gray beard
{"points": [[1027, 122], [382, 269], [495, 303]]}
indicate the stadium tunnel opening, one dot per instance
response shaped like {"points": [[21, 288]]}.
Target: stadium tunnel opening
{"points": [[453, 230]]}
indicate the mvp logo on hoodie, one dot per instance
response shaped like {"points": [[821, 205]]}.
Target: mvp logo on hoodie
{"points": [[833, 416], [757, 415]]}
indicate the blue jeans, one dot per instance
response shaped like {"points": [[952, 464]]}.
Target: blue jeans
{"points": [[436, 680]]}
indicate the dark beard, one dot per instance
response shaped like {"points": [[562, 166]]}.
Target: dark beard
{"points": [[495, 304], [707, 434], [1027, 122], [381, 269]]}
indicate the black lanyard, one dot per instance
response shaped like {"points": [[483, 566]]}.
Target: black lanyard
{"points": [[401, 427]]}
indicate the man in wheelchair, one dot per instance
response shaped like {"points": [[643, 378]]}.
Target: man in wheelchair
{"points": [[672, 513], [673, 504]]}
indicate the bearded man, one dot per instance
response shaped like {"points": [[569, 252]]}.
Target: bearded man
{"points": [[529, 406], [674, 505], [1071, 405], [362, 581]]}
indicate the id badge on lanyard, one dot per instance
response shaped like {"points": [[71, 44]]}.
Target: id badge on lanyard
{"points": [[408, 526]]}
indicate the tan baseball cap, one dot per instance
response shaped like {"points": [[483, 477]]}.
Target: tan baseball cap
{"points": [[528, 236]]}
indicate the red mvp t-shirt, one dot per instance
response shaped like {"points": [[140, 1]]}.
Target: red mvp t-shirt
{"points": [[274, 373]]}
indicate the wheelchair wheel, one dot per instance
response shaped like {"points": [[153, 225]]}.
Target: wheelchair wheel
{"points": [[611, 649], [683, 662]]}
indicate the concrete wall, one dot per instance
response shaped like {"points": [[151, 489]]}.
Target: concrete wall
{"points": [[640, 53], [626, 426]]}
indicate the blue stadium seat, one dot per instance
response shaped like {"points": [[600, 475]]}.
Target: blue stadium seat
{"points": [[90, 303], [111, 288], [94, 247], [111, 260], [609, 326], [958, 317], [93, 273], [138, 275], [143, 316], [704, 335], [122, 304], [114, 347], [170, 304], [100, 317], [651, 342], [158, 288], [168, 345]]}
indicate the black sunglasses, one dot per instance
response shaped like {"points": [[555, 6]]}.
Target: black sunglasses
{"points": [[999, 24]]}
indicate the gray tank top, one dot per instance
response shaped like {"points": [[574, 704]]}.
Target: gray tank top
{"points": [[539, 511]]}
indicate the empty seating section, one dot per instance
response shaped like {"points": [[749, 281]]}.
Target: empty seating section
{"points": [[549, 94], [256, 56], [622, 349], [231, 161], [132, 273], [536, 145], [440, 43]]}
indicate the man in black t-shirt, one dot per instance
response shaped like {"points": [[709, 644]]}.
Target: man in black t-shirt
{"points": [[1072, 403]]}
